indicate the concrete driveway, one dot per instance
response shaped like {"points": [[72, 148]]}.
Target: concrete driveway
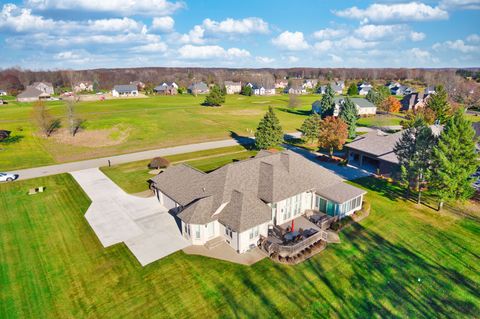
{"points": [[145, 226]]}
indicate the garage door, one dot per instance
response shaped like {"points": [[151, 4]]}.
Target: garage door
{"points": [[167, 201]]}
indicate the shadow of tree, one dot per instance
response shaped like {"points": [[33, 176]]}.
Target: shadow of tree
{"points": [[295, 111], [12, 139], [247, 142]]}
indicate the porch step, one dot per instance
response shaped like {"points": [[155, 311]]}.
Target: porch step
{"points": [[212, 243]]}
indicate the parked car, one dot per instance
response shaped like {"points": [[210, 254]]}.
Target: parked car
{"points": [[8, 177]]}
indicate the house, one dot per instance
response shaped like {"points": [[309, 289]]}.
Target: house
{"points": [[2, 92], [374, 151], [242, 202], [295, 88], [258, 89], [413, 101], [337, 87], [309, 83], [167, 88], [429, 90], [391, 85], [44, 87], [32, 94], [281, 84], [139, 84], [233, 87], [364, 107], [364, 88], [125, 90], [198, 88], [83, 86], [401, 90]]}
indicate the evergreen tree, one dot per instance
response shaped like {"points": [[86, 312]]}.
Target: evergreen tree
{"points": [[327, 104], [378, 95], [310, 127], [216, 97], [414, 153], [352, 89], [269, 132], [349, 115], [454, 160], [246, 90], [438, 103]]}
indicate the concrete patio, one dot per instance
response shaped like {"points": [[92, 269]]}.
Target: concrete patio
{"points": [[224, 252], [146, 227]]}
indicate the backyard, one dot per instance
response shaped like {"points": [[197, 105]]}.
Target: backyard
{"points": [[404, 260]]}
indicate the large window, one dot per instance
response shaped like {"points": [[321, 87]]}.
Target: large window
{"points": [[197, 231], [253, 232]]}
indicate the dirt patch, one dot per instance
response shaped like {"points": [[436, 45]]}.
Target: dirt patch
{"points": [[92, 138], [246, 112]]}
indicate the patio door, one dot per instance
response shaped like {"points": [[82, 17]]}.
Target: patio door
{"points": [[211, 229], [330, 208]]}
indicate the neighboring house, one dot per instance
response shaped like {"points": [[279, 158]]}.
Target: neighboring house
{"points": [[309, 83], [364, 88], [429, 90], [83, 86], [476, 127], [258, 89], [401, 90], [242, 202], [374, 151], [44, 87], [413, 101], [139, 84], [2, 92], [391, 85], [364, 107], [198, 88], [32, 94], [281, 84], [167, 88], [233, 87], [295, 88], [337, 87], [125, 90]]}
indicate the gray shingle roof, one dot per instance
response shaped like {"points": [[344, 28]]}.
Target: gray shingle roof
{"points": [[378, 144], [358, 101], [30, 92], [246, 186], [125, 88]]}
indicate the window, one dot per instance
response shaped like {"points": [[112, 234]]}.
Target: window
{"points": [[253, 232], [228, 232], [197, 231]]}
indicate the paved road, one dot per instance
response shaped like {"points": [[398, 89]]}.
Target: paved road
{"points": [[144, 225], [131, 157]]}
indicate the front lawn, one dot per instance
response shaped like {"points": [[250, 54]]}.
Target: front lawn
{"points": [[403, 261], [380, 120]]}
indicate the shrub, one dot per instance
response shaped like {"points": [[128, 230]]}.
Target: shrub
{"points": [[158, 162]]}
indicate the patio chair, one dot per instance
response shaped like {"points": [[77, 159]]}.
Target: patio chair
{"points": [[32, 191]]}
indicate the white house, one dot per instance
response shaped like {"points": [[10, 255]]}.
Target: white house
{"points": [[125, 90], [2, 92], [364, 88], [364, 107], [83, 86], [258, 89], [243, 201], [233, 87], [44, 87]]}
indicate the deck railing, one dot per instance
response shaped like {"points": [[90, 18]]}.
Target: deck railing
{"points": [[291, 250]]}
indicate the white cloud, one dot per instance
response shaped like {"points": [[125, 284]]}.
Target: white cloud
{"points": [[158, 47], [413, 11], [325, 34], [460, 4], [163, 24], [264, 59], [205, 52], [417, 36], [335, 58], [292, 59], [323, 46], [125, 8], [194, 36], [376, 32], [351, 42], [292, 41], [232, 26], [473, 38], [457, 45], [18, 19]]}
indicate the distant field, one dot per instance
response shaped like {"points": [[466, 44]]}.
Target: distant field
{"points": [[403, 261], [123, 126]]}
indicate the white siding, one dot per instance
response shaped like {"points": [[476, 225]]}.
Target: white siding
{"points": [[246, 241], [199, 234]]}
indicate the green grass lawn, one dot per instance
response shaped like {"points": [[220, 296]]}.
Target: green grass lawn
{"points": [[379, 120], [132, 177], [403, 261]]}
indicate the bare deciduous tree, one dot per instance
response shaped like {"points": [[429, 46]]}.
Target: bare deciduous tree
{"points": [[45, 121]]}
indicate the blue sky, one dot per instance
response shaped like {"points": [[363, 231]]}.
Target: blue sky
{"points": [[58, 34]]}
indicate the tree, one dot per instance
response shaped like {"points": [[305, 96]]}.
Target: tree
{"points": [[327, 103], [378, 95], [269, 133], [438, 103], [215, 97], [414, 152], [74, 123], [332, 134], [390, 104], [352, 89], [158, 162], [45, 121], [246, 90], [310, 127], [349, 114], [454, 160], [293, 101]]}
